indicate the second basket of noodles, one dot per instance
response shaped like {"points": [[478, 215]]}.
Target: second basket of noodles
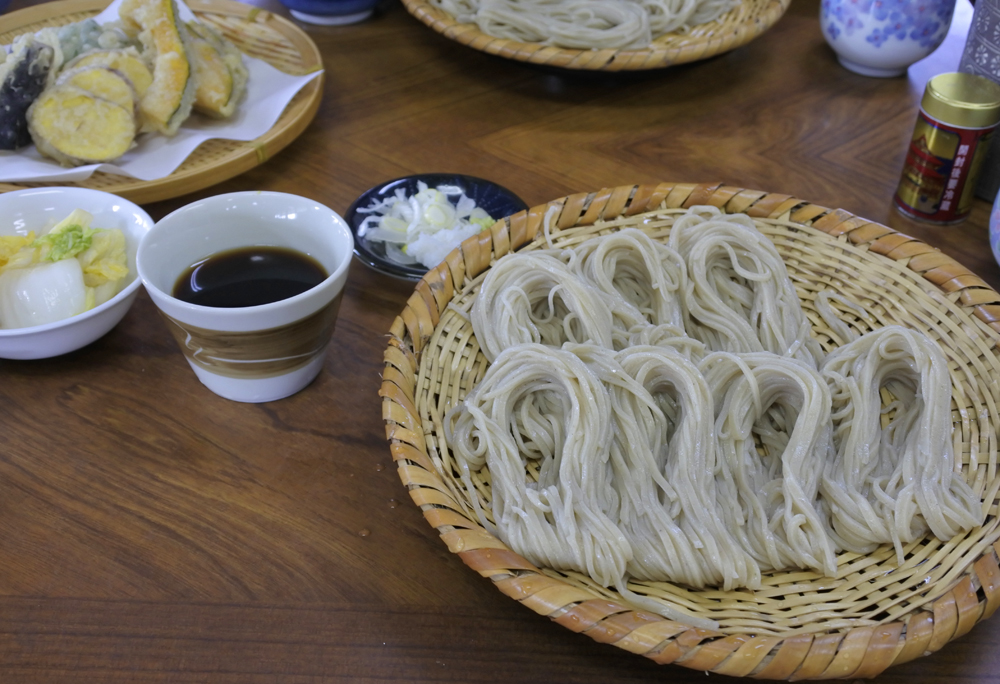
{"points": [[600, 35], [713, 426]]}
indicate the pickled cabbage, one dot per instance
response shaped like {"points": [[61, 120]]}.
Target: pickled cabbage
{"points": [[68, 270]]}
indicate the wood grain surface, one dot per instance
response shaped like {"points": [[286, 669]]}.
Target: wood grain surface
{"points": [[153, 532]]}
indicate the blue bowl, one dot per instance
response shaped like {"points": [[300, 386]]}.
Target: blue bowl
{"points": [[329, 12], [494, 199]]}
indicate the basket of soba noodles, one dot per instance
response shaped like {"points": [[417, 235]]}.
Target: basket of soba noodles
{"points": [[713, 426], [600, 35]]}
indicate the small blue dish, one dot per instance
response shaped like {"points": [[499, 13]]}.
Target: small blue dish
{"points": [[329, 12], [494, 199]]}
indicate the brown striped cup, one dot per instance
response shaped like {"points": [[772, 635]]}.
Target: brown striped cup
{"points": [[253, 353]]}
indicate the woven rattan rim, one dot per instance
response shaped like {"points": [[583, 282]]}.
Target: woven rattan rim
{"points": [[733, 29], [798, 627], [259, 34]]}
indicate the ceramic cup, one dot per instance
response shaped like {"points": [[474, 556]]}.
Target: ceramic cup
{"points": [[330, 12], [254, 353], [883, 37], [995, 229]]}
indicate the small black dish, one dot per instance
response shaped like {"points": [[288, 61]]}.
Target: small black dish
{"points": [[494, 199]]}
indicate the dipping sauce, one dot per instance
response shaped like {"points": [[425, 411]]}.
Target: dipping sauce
{"points": [[248, 276]]}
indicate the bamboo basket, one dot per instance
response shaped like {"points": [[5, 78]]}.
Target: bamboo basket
{"points": [[257, 33], [799, 625], [733, 29]]}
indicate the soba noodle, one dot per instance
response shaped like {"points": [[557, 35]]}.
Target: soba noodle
{"points": [[621, 447], [896, 481], [555, 296], [770, 492], [642, 277], [585, 24], [541, 408], [536, 298], [582, 24], [664, 461], [738, 296]]}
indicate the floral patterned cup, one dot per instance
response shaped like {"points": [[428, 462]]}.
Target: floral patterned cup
{"points": [[883, 37]]}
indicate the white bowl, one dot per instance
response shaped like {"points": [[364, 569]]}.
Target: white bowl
{"points": [[39, 209]]}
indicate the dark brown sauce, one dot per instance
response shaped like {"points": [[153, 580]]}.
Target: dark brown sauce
{"points": [[248, 276]]}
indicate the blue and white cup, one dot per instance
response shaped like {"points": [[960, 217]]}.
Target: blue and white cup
{"points": [[882, 38]]}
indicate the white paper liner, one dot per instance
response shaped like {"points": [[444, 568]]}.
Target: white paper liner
{"points": [[155, 155]]}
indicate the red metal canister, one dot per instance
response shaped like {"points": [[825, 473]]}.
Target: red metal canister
{"points": [[958, 115]]}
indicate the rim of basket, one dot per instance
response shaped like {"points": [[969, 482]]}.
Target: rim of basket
{"points": [[667, 50], [513, 232], [860, 651], [195, 173]]}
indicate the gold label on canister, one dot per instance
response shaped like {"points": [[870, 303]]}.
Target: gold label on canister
{"points": [[928, 165], [940, 163], [950, 142]]}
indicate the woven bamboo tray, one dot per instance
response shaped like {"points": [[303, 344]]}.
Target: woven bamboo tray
{"points": [[798, 625], [733, 29], [258, 34]]}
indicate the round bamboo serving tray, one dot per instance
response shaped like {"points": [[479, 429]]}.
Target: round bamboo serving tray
{"points": [[733, 29], [257, 33], [798, 625]]}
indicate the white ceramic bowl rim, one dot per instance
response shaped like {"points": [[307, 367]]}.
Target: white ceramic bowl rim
{"points": [[222, 312]]}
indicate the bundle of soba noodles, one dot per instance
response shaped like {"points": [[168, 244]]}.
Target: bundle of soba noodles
{"points": [[738, 296], [585, 24], [893, 483], [659, 411]]}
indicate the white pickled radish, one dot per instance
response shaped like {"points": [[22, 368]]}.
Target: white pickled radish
{"points": [[41, 294]]}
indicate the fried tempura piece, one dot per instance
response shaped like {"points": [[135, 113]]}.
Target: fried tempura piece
{"points": [[105, 83], [76, 127], [169, 98], [219, 71], [23, 77], [127, 61]]}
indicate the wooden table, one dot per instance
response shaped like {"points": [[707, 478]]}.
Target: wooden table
{"points": [[153, 532]]}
